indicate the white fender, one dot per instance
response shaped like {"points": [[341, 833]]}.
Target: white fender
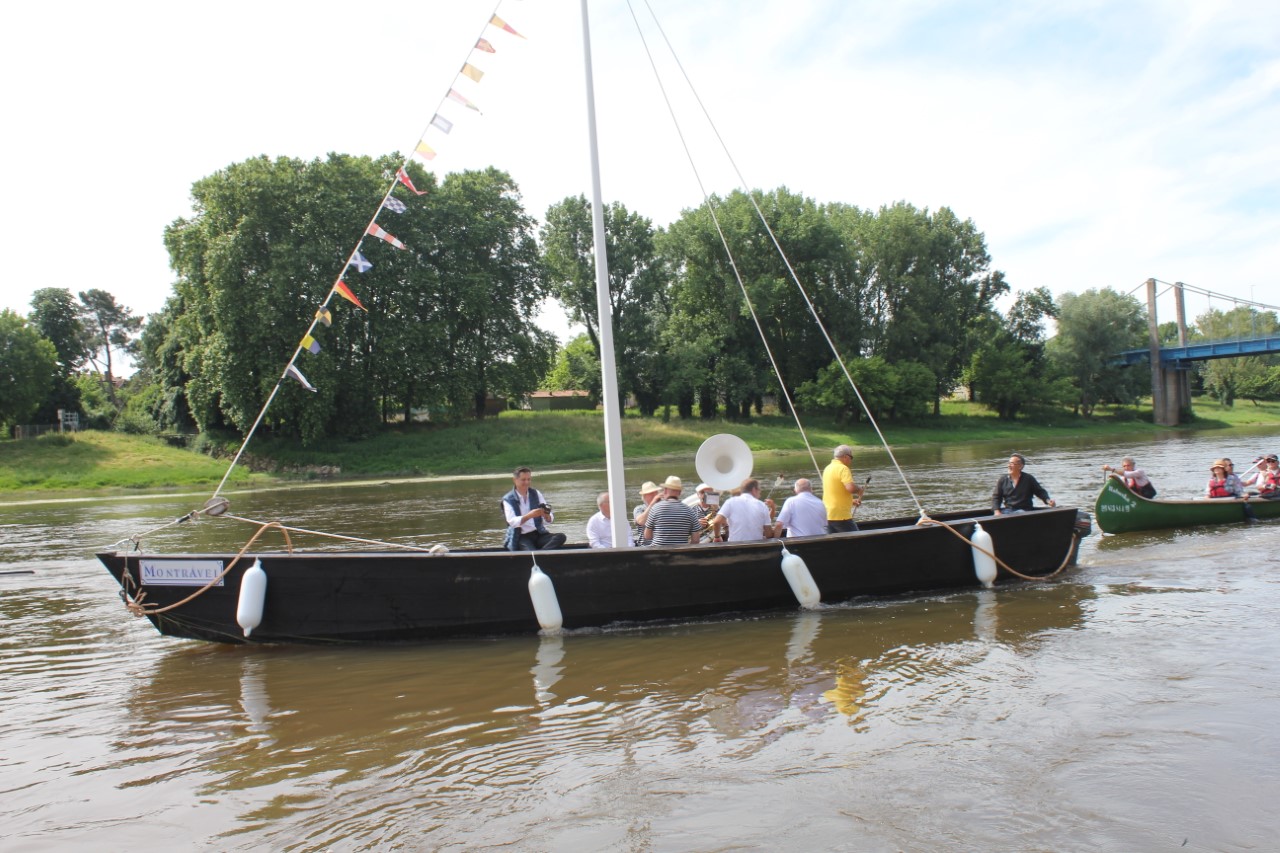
{"points": [[542, 592], [253, 593], [801, 581], [984, 565]]}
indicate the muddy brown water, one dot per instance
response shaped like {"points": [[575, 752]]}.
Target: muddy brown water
{"points": [[1130, 705]]}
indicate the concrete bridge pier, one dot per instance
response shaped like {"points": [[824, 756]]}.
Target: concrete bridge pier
{"points": [[1170, 384]]}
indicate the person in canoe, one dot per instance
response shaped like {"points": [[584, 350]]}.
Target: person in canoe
{"points": [[528, 516], [1135, 478], [1222, 483], [1267, 478], [1016, 491]]}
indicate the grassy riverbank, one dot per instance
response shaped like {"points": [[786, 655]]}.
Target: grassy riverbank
{"points": [[92, 461]]}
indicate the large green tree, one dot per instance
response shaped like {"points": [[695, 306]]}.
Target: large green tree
{"points": [[637, 281], [1010, 369], [59, 317], [1092, 327], [717, 354], [28, 365], [929, 281], [111, 327]]}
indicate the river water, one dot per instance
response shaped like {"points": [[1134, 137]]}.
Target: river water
{"points": [[1129, 705]]}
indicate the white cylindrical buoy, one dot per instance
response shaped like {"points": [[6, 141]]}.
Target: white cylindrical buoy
{"points": [[802, 585], [984, 565], [542, 592], [253, 593]]}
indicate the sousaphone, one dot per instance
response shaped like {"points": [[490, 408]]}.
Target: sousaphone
{"points": [[723, 462]]}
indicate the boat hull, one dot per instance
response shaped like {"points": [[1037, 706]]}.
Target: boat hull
{"points": [[1119, 510], [324, 597]]}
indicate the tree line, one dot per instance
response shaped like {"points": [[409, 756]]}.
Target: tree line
{"points": [[907, 296]]}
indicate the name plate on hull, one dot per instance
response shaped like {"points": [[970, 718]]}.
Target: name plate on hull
{"points": [[180, 572]]}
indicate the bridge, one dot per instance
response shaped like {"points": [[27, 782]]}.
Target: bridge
{"points": [[1170, 385], [1179, 357]]}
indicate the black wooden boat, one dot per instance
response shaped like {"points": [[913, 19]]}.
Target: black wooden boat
{"points": [[352, 597]]}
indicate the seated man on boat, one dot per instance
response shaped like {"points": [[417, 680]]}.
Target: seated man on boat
{"points": [[1135, 478], [670, 522], [599, 528], [650, 494], [528, 515], [1016, 491], [839, 492], [803, 514], [706, 501], [749, 518]]}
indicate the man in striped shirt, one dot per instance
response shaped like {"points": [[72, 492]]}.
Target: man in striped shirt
{"points": [[671, 522]]}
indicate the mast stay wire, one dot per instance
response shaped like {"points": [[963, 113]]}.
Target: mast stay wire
{"points": [[724, 241], [781, 254]]}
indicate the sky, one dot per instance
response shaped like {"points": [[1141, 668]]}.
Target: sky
{"points": [[1095, 144]]}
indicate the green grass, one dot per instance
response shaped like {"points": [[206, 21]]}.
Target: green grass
{"points": [[105, 460], [94, 460]]}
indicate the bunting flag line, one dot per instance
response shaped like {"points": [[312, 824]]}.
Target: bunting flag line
{"points": [[297, 374], [469, 70], [425, 151], [394, 205], [455, 95], [484, 45], [441, 123], [310, 344], [403, 177], [324, 316], [503, 25], [345, 293], [375, 231], [358, 261]]}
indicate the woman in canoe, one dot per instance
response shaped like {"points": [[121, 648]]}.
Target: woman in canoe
{"points": [[1222, 483], [1135, 478]]}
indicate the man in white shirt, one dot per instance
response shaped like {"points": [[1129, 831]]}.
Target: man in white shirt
{"points": [[599, 530], [750, 519], [804, 514]]}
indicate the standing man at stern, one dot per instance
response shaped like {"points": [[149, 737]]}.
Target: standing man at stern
{"points": [[528, 514], [840, 493], [1016, 490]]}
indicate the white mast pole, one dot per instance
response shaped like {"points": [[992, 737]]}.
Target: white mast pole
{"points": [[608, 369]]}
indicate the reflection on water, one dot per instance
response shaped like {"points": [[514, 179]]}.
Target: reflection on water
{"points": [[1126, 706]]}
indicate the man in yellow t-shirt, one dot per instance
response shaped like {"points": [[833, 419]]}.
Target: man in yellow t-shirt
{"points": [[839, 492]]}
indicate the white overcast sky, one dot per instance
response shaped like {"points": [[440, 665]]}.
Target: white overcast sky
{"points": [[1096, 144]]}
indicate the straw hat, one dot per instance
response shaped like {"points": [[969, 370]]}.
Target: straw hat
{"points": [[1219, 463], [673, 483], [649, 488]]}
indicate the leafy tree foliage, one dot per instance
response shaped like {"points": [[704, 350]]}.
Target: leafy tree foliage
{"points": [[1092, 327], [1010, 369], [59, 317], [1246, 376], [110, 326], [577, 368], [449, 321], [636, 289], [929, 280], [717, 354], [27, 369], [903, 391]]}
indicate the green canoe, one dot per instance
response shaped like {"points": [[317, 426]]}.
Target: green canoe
{"points": [[1119, 510]]}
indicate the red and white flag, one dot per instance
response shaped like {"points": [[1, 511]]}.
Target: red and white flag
{"points": [[403, 177], [375, 231], [503, 25]]}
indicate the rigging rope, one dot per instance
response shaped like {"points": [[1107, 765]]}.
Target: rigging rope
{"points": [[781, 253]]}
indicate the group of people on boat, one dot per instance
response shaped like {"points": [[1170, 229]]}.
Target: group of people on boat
{"points": [[1223, 481], [665, 517]]}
